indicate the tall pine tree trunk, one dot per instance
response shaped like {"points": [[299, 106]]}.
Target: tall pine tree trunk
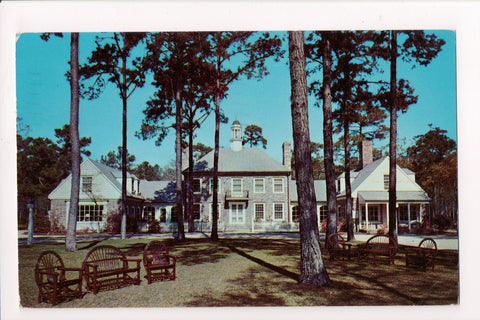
{"points": [[191, 222], [392, 188], [70, 239], [214, 234], [348, 186], [328, 137], [123, 93], [312, 268], [178, 162]]}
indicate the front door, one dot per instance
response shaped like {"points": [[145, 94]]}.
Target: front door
{"points": [[237, 213]]}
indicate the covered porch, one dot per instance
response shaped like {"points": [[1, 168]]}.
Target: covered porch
{"points": [[372, 210]]}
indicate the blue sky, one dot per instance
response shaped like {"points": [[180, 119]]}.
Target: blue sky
{"points": [[43, 99]]}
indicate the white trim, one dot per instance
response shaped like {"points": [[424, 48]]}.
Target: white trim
{"points": [[210, 186], [255, 211], [255, 185], [200, 186], [242, 213], [283, 211], [241, 186], [273, 185]]}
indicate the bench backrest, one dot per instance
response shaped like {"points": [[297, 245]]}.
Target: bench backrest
{"points": [[334, 241], [381, 243], [105, 258], [156, 252], [48, 262]]}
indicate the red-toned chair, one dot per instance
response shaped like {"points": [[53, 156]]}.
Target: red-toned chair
{"points": [[53, 284], [337, 247], [159, 264], [423, 256]]}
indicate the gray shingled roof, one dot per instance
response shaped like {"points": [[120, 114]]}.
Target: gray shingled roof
{"points": [[112, 175], [245, 160], [401, 196], [162, 191], [320, 190]]}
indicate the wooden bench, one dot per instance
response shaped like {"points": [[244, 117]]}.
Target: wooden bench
{"points": [[423, 256], [159, 264], [379, 245], [107, 267], [51, 277], [337, 247]]}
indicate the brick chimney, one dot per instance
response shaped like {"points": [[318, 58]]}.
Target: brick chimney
{"points": [[365, 150], [287, 154]]}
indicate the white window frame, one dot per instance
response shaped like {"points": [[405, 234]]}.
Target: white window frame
{"points": [[274, 211], [90, 184], [211, 185], [144, 216], [236, 213], [91, 204], [199, 184], [255, 185], [255, 211], [199, 211], [241, 186], [319, 208], [273, 185]]}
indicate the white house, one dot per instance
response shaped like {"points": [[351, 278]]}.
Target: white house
{"points": [[369, 185]]}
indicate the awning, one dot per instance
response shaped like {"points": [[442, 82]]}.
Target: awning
{"points": [[402, 196]]}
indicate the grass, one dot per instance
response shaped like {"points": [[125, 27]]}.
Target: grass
{"points": [[253, 272]]}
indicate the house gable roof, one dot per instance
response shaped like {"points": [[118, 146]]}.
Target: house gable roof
{"points": [[158, 191], [320, 190], [245, 160]]}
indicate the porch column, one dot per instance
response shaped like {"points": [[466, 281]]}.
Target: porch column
{"points": [[359, 215], [409, 216], [366, 214], [388, 215]]}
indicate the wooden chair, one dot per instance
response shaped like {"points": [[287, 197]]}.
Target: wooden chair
{"points": [[159, 264], [423, 256], [53, 284], [337, 247]]}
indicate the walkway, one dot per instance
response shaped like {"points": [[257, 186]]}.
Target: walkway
{"points": [[444, 242]]}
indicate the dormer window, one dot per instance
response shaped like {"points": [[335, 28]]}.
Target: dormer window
{"points": [[87, 184]]}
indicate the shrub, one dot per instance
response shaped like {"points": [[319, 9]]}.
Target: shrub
{"points": [[443, 222], [382, 229], [41, 223], [154, 226]]}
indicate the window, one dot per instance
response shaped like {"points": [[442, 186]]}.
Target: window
{"points": [[403, 212], [373, 214], [259, 211], [277, 185], [197, 185], [211, 185], [295, 213], [163, 215], [196, 211], [87, 184], [259, 185], [338, 185], [278, 211], [133, 185], [148, 213], [91, 212], [237, 185], [237, 213], [386, 181], [323, 210]]}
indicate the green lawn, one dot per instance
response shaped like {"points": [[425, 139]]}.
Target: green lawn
{"points": [[254, 272]]}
